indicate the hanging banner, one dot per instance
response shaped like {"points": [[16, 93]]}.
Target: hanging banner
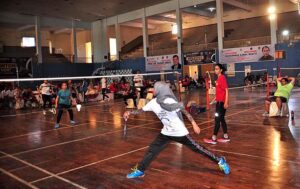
{"points": [[247, 54], [163, 63], [230, 70], [201, 57]]}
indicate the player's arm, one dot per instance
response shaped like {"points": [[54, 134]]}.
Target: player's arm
{"points": [[132, 112], [292, 80], [40, 89], [56, 101], [278, 79], [191, 119], [226, 98]]}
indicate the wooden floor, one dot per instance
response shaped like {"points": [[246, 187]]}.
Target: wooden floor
{"points": [[263, 153]]}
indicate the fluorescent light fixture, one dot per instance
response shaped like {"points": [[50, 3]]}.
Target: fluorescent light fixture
{"points": [[211, 9], [28, 42]]}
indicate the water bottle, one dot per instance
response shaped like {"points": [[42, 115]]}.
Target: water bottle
{"points": [[292, 115]]}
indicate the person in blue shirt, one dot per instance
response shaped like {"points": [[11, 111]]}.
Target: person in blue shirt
{"points": [[63, 101]]}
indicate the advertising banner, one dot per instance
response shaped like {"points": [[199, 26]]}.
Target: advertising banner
{"points": [[247, 54], [163, 63], [201, 57]]}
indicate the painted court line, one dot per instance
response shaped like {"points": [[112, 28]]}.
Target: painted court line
{"points": [[67, 142], [49, 130], [40, 111], [72, 141], [258, 125], [90, 164], [18, 179], [254, 156], [44, 171], [64, 172], [39, 132]]}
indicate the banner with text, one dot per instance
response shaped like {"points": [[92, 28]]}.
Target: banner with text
{"points": [[247, 54], [201, 57], [163, 63]]}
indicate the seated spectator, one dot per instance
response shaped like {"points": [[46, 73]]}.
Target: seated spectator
{"points": [[27, 96], [91, 90], [113, 87], [186, 82], [282, 94], [122, 86], [18, 98], [129, 93], [248, 80]]}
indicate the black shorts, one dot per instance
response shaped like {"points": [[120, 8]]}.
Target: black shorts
{"points": [[273, 99]]}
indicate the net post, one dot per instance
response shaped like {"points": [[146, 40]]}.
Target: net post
{"points": [[178, 83], [268, 86], [207, 93]]}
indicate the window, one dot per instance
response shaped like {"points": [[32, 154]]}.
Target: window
{"points": [[28, 42], [113, 48], [88, 52]]}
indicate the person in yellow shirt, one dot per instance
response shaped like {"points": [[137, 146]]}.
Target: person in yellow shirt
{"points": [[282, 94]]}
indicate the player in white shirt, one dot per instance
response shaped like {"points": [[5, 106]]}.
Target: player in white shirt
{"points": [[196, 77], [104, 86], [138, 83], [169, 111], [45, 89]]}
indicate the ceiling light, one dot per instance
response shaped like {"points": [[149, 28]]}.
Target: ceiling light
{"points": [[285, 32], [271, 10], [211, 9]]}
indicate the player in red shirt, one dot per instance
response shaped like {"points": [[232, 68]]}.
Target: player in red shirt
{"points": [[221, 106]]}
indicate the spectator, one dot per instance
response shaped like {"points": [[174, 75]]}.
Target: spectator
{"points": [[282, 94], [114, 87], [84, 88], [248, 80], [73, 89], [186, 82], [138, 83], [27, 96], [196, 77], [104, 88], [18, 98], [130, 92], [45, 89]]}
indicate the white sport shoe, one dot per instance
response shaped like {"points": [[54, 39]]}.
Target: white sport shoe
{"points": [[265, 114], [44, 112]]}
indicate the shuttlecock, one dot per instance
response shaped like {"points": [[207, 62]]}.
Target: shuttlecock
{"points": [[78, 106]]}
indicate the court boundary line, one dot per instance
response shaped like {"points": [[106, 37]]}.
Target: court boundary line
{"points": [[74, 108], [49, 130], [44, 171], [71, 141], [254, 156], [93, 163], [16, 178], [67, 142]]}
